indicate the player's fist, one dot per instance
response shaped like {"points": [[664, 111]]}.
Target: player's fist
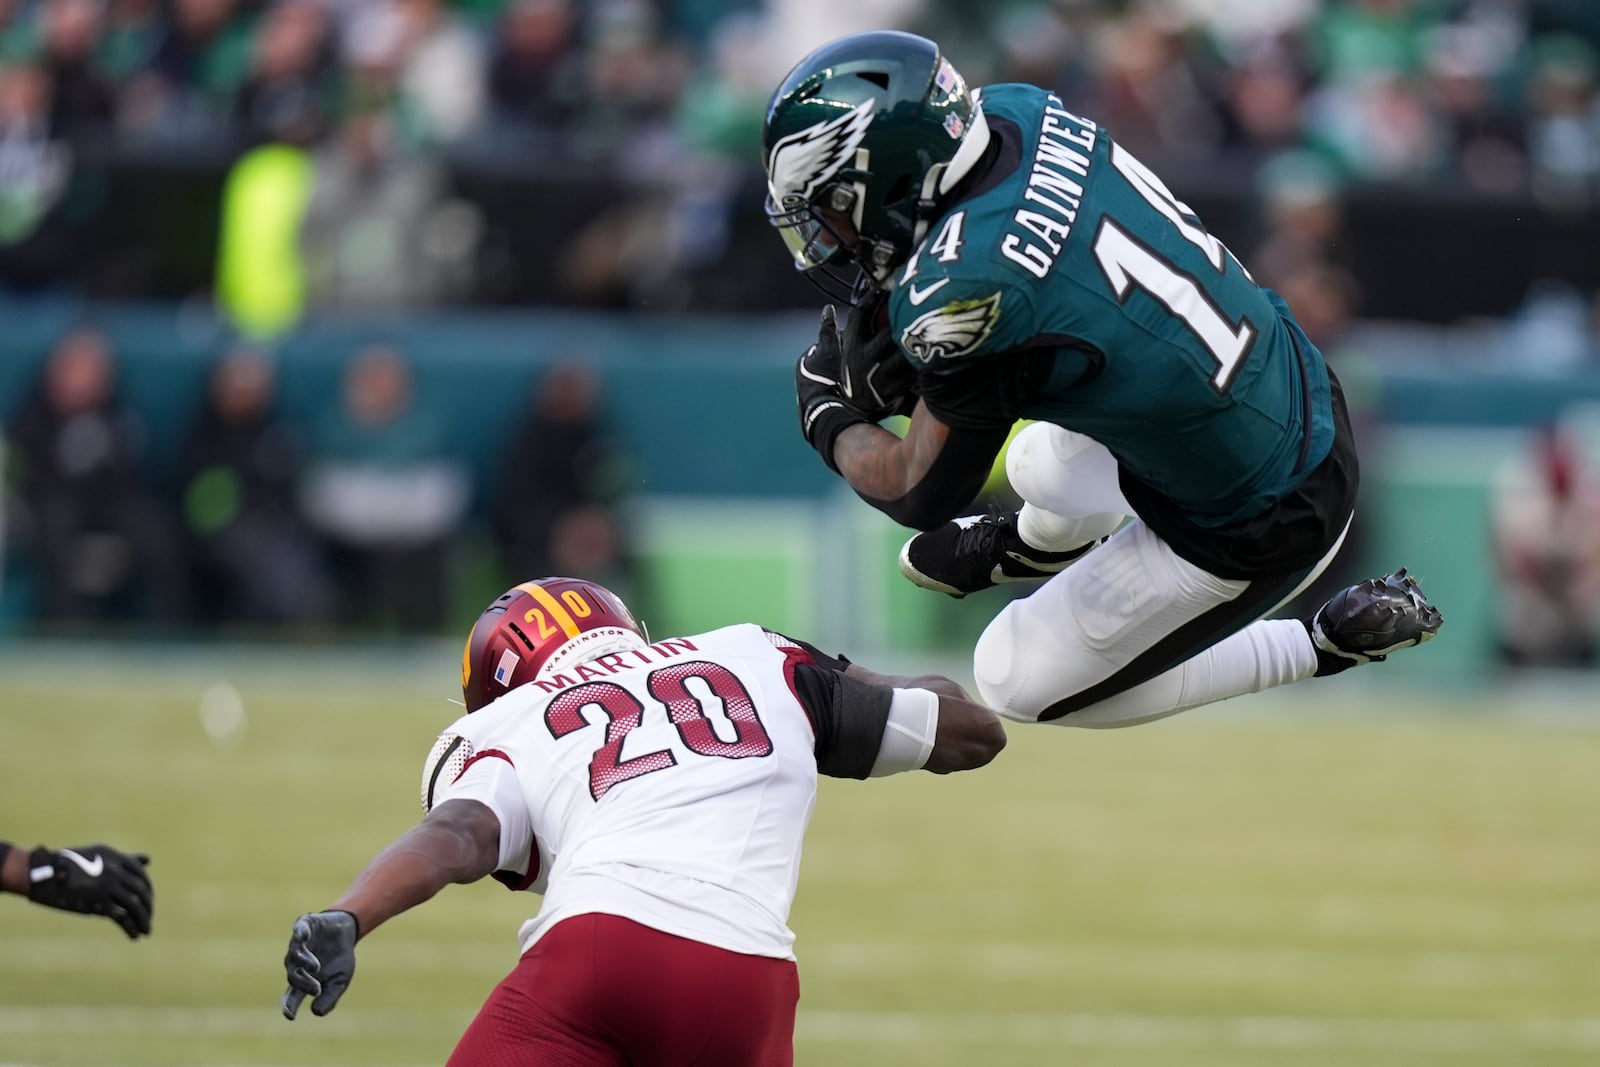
{"points": [[321, 960], [825, 412], [94, 880], [874, 376]]}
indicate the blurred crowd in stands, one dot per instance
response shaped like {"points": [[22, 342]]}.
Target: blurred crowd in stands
{"points": [[270, 159], [355, 521], [1501, 91], [1544, 533], [371, 111]]}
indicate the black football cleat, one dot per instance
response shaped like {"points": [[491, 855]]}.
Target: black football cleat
{"points": [[976, 552], [1369, 620]]}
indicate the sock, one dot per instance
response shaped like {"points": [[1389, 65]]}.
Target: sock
{"points": [[1264, 655]]}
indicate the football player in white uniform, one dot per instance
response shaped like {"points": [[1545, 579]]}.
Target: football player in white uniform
{"points": [[656, 794]]}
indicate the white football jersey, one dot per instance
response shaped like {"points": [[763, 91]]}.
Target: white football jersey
{"points": [[670, 784]]}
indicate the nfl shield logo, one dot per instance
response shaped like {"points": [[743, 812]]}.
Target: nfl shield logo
{"points": [[954, 126]]}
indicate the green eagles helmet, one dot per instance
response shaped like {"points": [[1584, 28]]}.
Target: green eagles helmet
{"points": [[871, 128]]}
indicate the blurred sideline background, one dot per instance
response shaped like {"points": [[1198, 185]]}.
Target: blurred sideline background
{"points": [[326, 320]]}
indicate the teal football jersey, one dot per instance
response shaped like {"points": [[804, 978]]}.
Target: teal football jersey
{"points": [[1165, 350]]}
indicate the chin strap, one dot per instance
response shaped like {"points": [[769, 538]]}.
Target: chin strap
{"points": [[927, 202], [943, 177], [940, 179]]}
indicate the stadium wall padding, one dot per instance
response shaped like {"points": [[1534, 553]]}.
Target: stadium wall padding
{"points": [[705, 406]]}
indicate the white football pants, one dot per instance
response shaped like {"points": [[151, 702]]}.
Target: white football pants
{"points": [[1095, 645]]}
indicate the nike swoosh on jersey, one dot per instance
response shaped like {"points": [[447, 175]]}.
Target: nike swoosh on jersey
{"points": [[92, 869], [919, 295]]}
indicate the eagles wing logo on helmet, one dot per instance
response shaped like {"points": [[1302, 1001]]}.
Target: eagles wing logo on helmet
{"points": [[955, 329], [803, 162]]}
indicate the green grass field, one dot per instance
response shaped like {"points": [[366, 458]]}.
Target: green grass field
{"points": [[1275, 882]]}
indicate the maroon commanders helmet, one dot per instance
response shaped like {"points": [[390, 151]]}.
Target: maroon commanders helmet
{"points": [[541, 627]]}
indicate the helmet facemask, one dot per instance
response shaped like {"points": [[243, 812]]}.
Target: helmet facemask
{"points": [[844, 268]]}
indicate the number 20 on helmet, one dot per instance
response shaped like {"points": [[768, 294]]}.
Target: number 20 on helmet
{"points": [[538, 628]]}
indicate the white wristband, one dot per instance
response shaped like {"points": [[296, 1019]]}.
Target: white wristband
{"points": [[909, 734]]}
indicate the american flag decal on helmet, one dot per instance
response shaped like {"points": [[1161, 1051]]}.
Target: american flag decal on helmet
{"points": [[506, 667]]}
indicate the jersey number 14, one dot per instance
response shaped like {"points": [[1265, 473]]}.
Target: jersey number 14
{"points": [[1128, 263]]}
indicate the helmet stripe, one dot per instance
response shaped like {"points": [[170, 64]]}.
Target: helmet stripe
{"points": [[557, 610]]}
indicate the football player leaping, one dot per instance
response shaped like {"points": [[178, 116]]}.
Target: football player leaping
{"points": [[656, 794], [1033, 268]]}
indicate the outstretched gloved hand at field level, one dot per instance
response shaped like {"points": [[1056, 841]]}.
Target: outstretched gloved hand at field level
{"points": [[94, 880], [321, 960]]}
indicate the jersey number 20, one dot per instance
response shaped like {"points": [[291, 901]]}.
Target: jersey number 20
{"points": [[624, 713], [1128, 263]]}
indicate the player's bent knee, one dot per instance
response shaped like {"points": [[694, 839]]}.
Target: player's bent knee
{"points": [[1035, 461], [999, 663], [1063, 472]]}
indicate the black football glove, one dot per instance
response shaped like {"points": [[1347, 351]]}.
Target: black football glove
{"points": [[825, 412], [321, 960], [875, 377], [94, 880]]}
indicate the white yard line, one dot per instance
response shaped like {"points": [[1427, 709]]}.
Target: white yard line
{"points": [[996, 959], [266, 1021], [1087, 1029], [1075, 1029], [1004, 960]]}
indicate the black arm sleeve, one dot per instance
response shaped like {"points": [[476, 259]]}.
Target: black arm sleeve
{"points": [[983, 394], [979, 401], [952, 482], [849, 717]]}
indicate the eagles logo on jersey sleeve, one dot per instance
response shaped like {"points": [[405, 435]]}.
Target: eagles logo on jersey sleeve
{"points": [[954, 329], [954, 300], [938, 318]]}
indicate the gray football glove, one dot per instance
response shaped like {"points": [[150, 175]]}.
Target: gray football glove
{"points": [[321, 960]]}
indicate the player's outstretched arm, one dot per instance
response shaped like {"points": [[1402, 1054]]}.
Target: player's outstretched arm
{"points": [[459, 841], [968, 735], [89, 880]]}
